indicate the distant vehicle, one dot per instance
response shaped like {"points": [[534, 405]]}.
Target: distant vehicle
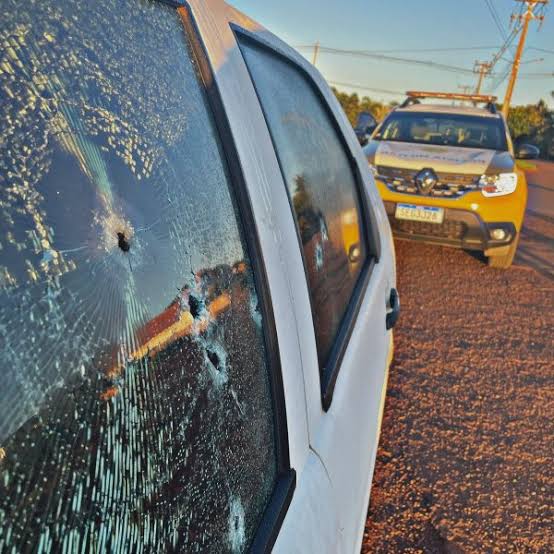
{"points": [[365, 126], [197, 287], [447, 174]]}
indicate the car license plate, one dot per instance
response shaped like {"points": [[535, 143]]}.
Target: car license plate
{"points": [[413, 212]]}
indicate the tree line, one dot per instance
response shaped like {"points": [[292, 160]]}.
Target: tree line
{"points": [[533, 123]]}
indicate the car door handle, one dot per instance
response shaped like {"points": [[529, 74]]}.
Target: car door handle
{"points": [[394, 306]]}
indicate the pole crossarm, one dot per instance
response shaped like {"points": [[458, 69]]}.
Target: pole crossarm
{"points": [[482, 69]]}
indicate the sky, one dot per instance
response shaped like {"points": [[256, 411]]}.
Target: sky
{"points": [[407, 26]]}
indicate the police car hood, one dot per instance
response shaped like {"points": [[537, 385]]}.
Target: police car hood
{"points": [[443, 159]]}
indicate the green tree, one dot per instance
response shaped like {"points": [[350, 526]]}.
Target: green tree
{"points": [[353, 105], [533, 123]]}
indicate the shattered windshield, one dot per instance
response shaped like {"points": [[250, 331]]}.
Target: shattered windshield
{"points": [[135, 408]]}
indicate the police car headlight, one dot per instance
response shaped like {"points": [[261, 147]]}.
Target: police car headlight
{"points": [[373, 169], [498, 185]]}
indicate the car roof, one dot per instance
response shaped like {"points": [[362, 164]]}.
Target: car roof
{"points": [[445, 109]]}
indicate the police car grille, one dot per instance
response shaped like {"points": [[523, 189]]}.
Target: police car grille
{"points": [[450, 185]]}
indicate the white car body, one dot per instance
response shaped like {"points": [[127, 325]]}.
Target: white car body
{"points": [[333, 452]]}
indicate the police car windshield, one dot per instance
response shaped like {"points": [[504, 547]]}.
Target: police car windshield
{"points": [[466, 131]]}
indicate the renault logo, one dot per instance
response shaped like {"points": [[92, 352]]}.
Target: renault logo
{"points": [[425, 180]]}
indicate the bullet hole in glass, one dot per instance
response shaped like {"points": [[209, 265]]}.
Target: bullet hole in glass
{"points": [[123, 243], [195, 306], [214, 358]]}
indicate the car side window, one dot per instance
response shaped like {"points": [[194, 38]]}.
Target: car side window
{"points": [[321, 185], [136, 411]]}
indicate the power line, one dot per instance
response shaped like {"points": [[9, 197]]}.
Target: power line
{"points": [[381, 56], [401, 50], [364, 87], [536, 60], [466, 89], [396, 59], [545, 75], [508, 42], [544, 50], [496, 19], [499, 56], [503, 76]]}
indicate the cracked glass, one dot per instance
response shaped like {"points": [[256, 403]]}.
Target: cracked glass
{"points": [[135, 405], [321, 187]]}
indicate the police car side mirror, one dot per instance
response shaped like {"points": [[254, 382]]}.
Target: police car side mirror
{"points": [[527, 152]]}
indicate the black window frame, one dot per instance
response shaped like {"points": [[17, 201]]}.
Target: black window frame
{"points": [[330, 372], [285, 484]]}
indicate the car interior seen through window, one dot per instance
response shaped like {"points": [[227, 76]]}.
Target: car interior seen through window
{"points": [[444, 129], [321, 186], [135, 407]]}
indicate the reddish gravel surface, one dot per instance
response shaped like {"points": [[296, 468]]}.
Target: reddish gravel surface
{"points": [[466, 460]]}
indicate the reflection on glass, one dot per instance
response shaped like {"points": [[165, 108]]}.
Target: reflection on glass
{"points": [[135, 410], [320, 182]]}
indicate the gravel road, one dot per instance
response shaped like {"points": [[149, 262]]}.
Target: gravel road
{"points": [[465, 462]]}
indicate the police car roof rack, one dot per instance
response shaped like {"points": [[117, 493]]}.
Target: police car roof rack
{"points": [[409, 102], [415, 97]]}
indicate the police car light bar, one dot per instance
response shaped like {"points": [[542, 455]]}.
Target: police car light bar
{"points": [[480, 98], [415, 96]]}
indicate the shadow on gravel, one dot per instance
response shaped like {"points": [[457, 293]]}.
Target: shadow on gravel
{"points": [[435, 543], [476, 255], [536, 249]]}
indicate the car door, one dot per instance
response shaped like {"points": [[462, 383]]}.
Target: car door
{"points": [[311, 522], [347, 256]]}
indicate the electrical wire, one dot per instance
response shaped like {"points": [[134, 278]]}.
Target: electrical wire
{"points": [[396, 59], [544, 50], [502, 77], [509, 40], [526, 62], [546, 75], [369, 89], [496, 19], [401, 50], [507, 43]]}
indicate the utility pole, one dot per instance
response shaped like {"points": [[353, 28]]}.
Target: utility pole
{"points": [[526, 18], [483, 69], [316, 52]]}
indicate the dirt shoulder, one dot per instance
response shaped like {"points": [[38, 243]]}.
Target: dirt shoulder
{"points": [[537, 239], [465, 460]]}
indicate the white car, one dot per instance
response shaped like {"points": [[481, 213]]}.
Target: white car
{"points": [[197, 287]]}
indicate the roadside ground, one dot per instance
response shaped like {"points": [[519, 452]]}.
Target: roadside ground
{"points": [[465, 462]]}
